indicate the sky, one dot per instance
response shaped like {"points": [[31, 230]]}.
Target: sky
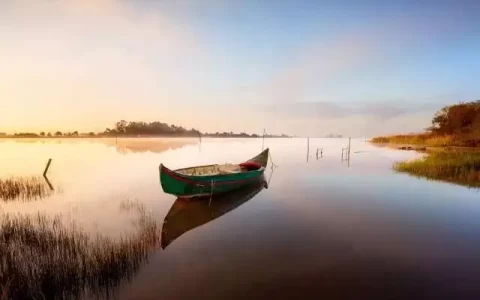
{"points": [[304, 67]]}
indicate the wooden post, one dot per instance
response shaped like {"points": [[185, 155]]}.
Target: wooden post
{"points": [[263, 138], [349, 143], [46, 168], [308, 147]]}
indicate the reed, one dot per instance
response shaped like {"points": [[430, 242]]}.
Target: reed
{"points": [[461, 167], [417, 139], [41, 258], [24, 188]]}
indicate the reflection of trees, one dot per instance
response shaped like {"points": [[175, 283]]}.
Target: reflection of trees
{"points": [[156, 146], [40, 257]]}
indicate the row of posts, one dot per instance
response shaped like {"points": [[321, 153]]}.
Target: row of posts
{"points": [[345, 151]]}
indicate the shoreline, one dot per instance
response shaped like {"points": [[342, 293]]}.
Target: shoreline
{"points": [[454, 164], [136, 137]]}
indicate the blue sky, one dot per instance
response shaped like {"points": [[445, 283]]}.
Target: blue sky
{"points": [[300, 67]]}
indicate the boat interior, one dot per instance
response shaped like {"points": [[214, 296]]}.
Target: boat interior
{"points": [[212, 170]]}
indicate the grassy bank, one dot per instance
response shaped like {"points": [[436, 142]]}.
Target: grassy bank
{"points": [[42, 259], [452, 166], [419, 139]]}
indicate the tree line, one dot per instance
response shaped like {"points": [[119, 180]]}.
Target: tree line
{"points": [[135, 129], [153, 128]]}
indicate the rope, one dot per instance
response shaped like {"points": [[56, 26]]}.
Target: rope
{"points": [[271, 159], [270, 177], [212, 186]]}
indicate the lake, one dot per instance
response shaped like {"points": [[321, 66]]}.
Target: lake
{"points": [[324, 228]]}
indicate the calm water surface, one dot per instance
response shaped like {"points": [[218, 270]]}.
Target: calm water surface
{"points": [[322, 229]]}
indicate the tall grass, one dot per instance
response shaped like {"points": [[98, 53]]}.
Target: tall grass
{"points": [[41, 258], [416, 139], [24, 188], [453, 166]]}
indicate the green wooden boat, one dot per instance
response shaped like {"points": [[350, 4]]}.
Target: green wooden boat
{"points": [[186, 215], [206, 180]]}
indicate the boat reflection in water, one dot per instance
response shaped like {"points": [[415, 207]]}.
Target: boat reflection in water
{"points": [[188, 214]]}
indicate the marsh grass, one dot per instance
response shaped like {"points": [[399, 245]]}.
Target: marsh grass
{"points": [[24, 188], [430, 140], [416, 139], [461, 167], [41, 258]]}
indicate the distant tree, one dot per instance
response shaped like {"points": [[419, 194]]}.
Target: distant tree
{"points": [[75, 133], [58, 133], [49, 134], [26, 135], [120, 126], [91, 134], [42, 133], [456, 119]]}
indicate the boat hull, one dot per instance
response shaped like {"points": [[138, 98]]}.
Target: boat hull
{"points": [[187, 186], [199, 186]]}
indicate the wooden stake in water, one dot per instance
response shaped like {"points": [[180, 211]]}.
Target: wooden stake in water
{"points": [[349, 143], [46, 168], [263, 138], [308, 147]]}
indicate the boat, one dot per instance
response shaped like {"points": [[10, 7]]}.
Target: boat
{"points": [[201, 181], [186, 215]]}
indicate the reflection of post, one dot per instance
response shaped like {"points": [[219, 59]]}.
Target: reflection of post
{"points": [[308, 147], [349, 143], [270, 177], [48, 182], [48, 166]]}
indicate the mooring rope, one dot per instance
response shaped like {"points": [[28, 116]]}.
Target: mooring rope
{"points": [[271, 159]]}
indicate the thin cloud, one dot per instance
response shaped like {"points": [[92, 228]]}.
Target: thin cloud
{"points": [[61, 58]]}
